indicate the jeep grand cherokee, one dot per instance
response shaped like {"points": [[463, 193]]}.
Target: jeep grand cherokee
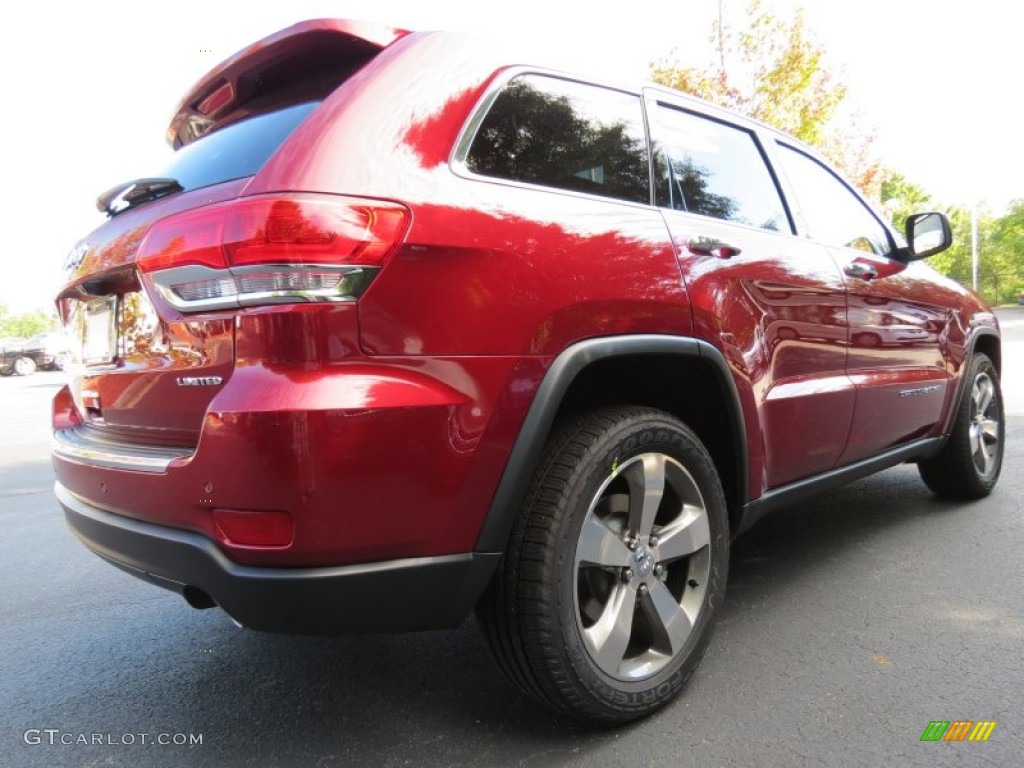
{"points": [[403, 330]]}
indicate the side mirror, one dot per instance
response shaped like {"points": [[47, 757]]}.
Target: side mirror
{"points": [[928, 234]]}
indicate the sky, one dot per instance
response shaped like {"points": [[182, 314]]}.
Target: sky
{"points": [[90, 88]]}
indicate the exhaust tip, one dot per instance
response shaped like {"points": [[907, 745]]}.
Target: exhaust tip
{"points": [[197, 598]]}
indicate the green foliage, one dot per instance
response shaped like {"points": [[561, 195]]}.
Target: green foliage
{"points": [[956, 262], [1000, 253], [902, 197], [791, 88], [26, 324], [774, 71], [1002, 260], [1000, 240]]}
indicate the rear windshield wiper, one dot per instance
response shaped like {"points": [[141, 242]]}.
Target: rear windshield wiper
{"points": [[131, 193]]}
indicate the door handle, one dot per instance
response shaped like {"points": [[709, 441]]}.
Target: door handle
{"points": [[709, 246], [860, 270]]}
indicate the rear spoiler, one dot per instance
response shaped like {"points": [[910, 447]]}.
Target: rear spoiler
{"points": [[307, 48]]}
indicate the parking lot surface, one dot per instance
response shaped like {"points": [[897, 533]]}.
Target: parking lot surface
{"points": [[852, 620]]}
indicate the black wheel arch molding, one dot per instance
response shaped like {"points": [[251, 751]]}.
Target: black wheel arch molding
{"points": [[549, 398], [979, 332]]}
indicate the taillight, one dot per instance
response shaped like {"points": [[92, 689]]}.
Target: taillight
{"points": [[271, 249]]}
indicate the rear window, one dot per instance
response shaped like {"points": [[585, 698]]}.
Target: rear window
{"points": [[237, 150]]}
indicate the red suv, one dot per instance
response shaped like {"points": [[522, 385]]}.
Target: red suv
{"points": [[403, 330]]}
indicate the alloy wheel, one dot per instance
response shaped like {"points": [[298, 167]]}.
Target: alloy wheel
{"points": [[984, 426], [642, 567]]}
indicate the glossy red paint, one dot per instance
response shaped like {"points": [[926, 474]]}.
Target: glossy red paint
{"points": [[514, 253], [114, 243], [139, 398], [381, 428], [374, 460], [897, 320], [249, 528], [778, 311], [216, 94], [450, 73]]}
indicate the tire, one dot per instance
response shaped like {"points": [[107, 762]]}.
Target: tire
{"points": [[589, 612], [969, 464], [24, 366], [869, 340]]}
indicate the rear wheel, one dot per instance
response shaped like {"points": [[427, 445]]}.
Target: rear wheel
{"points": [[868, 340], [969, 464], [604, 603], [24, 366]]}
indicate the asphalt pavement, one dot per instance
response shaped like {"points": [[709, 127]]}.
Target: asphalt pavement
{"points": [[851, 622]]}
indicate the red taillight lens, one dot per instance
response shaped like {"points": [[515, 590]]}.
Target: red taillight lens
{"points": [[280, 231], [193, 237], [271, 248]]}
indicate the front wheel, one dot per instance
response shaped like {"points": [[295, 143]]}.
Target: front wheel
{"points": [[968, 465], [605, 600]]}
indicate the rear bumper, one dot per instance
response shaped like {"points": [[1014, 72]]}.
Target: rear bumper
{"points": [[393, 596], [369, 461]]}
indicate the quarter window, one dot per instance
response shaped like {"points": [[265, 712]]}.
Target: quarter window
{"points": [[558, 133], [714, 169], [835, 216]]}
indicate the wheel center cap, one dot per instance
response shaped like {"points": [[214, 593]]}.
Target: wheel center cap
{"points": [[644, 563]]}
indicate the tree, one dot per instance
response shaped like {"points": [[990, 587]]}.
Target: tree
{"points": [[1002, 268], [26, 324], [902, 197], [956, 262], [774, 71]]}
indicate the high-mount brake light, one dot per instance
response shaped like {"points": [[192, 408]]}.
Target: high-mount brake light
{"points": [[271, 249]]}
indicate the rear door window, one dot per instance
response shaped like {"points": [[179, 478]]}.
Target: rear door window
{"points": [[715, 169], [563, 134]]}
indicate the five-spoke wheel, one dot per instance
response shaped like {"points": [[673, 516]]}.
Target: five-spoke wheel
{"points": [[968, 465], [986, 426], [605, 600], [642, 564]]}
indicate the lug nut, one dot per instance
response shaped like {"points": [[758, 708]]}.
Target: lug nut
{"points": [[632, 544], [627, 574], [659, 571], [653, 541], [642, 589]]}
